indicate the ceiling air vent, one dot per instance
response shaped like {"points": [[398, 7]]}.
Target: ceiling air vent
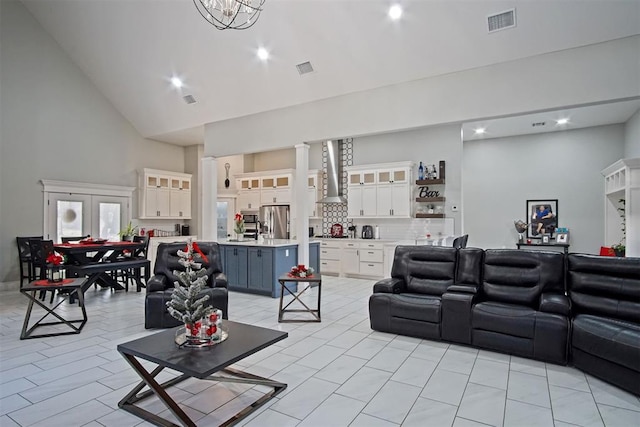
{"points": [[305, 68], [189, 99], [502, 20]]}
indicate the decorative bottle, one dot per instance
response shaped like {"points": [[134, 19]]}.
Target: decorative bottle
{"points": [[420, 172]]}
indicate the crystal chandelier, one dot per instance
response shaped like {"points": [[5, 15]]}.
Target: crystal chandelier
{"points": [[233, 14]]}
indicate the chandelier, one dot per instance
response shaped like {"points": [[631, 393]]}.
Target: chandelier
{"points": [[233, 14]]}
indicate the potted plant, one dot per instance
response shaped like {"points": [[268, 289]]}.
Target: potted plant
{"points": [[619, 248], [126, 234], [239, 227]]}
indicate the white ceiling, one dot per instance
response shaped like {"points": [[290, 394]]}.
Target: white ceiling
{"points": [[131, 48], [593, 115]]}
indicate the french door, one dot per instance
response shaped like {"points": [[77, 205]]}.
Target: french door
{"points": [[75, 215]]}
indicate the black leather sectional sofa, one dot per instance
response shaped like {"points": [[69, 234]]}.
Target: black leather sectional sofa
{"points": [[579, 309]]}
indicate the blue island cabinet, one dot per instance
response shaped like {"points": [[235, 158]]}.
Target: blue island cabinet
{"points": [[256, 269], [236, 267]]}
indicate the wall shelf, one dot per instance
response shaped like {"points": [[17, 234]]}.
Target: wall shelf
{"points": [[424, 215], [422, 182], [430, 199]]}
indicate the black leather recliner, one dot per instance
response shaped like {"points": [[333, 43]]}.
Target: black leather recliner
{"points": [[409, 303], [522, 308], [605, 293], [161, 285]]}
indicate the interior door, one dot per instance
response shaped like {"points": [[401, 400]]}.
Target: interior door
{"points": [[108, 216], [68, 215], [72, 215]]}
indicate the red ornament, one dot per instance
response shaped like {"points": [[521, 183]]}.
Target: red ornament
{"points": [[213, 317]]}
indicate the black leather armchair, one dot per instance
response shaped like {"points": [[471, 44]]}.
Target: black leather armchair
{"points": [[161, 285], [522, 308], [409, 303], [605, 292]]}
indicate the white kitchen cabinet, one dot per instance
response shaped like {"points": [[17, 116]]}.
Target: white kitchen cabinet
{"points": [[371, 259], [276, 189], [393, 200], [248, 200], [164, 195], [249, 183], [330, 257], [362, 202], [380, 191]]}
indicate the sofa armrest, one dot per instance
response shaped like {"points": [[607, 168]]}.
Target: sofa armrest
{"points": [[465, 289], [389, 286], [555, 303], [220, 281], [157, 283]]}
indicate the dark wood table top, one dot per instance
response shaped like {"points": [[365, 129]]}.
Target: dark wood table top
{"points": [[92, 247], [560, 245], [243, 341], [44, 285], [286, 278]]}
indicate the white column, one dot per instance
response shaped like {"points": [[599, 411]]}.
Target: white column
{"points": [[209, 199], [300, 200]]}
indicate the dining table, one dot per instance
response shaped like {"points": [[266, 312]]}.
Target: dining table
{"points": [[96, 260]]}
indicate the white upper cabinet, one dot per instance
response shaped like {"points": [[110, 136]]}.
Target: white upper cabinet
{"points": [[164, 194], [382, 190]]}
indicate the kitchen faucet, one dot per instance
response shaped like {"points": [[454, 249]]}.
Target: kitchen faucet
{"points": [[259, 230]]}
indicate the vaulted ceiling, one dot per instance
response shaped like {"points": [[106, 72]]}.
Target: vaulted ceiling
{"points": [[131, 48]]}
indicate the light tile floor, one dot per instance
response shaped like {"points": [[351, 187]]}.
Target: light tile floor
{"points": [[339, 372]]}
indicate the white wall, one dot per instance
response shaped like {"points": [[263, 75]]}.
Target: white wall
{"points": [[632, 137], [56, 125], [429, 145], [609, 71], [501, 174]]}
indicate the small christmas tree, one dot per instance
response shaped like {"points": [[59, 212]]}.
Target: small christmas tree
{"points": [[185, 305]]}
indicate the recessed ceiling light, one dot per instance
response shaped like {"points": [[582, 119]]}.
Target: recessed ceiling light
{"points": [[176, 82], [562, 121], [395, 12], [263, 54], [480, 131]]}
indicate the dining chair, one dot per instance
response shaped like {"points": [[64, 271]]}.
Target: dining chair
{"points": [[135, 273], [40, 251], [461, 242], [24, 255]]}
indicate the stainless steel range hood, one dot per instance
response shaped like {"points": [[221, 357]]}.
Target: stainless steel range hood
{"points": [[334, 173]]}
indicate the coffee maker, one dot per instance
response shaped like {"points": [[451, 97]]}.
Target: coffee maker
{"points": [[367, 232]]}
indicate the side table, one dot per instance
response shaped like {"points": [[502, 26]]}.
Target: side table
{"points": [[296, 297], [74, 286]]}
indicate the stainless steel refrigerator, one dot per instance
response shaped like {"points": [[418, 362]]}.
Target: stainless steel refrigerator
{"points": [[274, 221]]}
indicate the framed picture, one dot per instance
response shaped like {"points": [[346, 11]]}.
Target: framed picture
{"points": [[542, 216], [562, 238]]}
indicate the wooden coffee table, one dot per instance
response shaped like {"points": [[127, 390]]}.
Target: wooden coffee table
{"points": [[161, 350]]}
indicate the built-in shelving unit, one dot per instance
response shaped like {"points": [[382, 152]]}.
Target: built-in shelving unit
{"points": [[622, 182], [438, 200]]}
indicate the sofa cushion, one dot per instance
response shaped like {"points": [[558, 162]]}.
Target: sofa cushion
{"points": [[520, 277], [429, 269], [610, 339], [509, 319], [604, 286], [421, 307]]}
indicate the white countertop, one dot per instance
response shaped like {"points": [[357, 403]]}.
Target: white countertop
{"points": [[267, 243]]}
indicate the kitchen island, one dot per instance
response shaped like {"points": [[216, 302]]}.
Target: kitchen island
{"points": [[254, 266]]}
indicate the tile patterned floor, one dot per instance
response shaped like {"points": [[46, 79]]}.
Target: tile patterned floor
{"points": [[340, 373]]}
